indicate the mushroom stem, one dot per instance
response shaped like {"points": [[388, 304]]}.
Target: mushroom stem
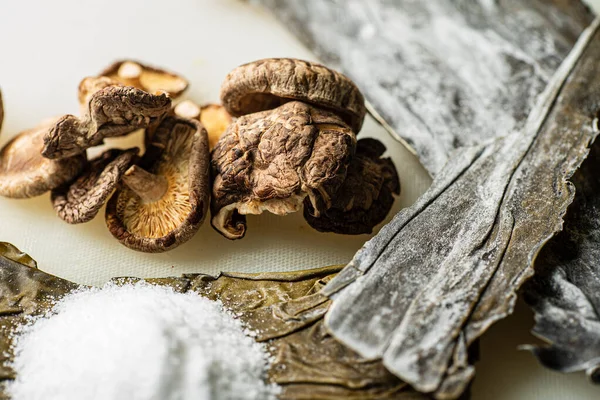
{"points": [[147, 186]]}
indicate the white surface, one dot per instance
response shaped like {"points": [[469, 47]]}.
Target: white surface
{"points": [[48, 47]]}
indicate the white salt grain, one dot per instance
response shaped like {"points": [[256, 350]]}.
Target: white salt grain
{"points": [[138, 342]]}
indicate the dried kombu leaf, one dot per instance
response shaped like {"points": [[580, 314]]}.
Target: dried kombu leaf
{"points": [[435, 278], [565, 291], [443, 74], [285, 309]]}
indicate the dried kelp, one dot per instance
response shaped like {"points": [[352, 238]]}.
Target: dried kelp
{"points": [[443, 74], [435, 278], [565, 291], [285, 309]]}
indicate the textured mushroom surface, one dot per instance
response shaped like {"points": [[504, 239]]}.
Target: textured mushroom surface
{"points": [[272, 160], [79, 201], [112, 111], [25, 173], [164, 200], [90, 86], [442, 74], [145, 77], [366, 196], [266, 84]]}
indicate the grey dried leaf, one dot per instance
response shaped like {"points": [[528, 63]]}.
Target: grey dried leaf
{"points": [[79, 201], [565, 290], [366, 196], [25, 173], [111, 111], [162, 202], [268, 83], [145, 77], [272, 160], [443, 74], [444, 270]]}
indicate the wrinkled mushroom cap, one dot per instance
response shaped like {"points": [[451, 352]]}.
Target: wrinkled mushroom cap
{"points": [[365, 198], [266, 84], [79, 201], [112, 111], [25, 173], [145, 77], [90, 86], [272, 160], [179, 156]]}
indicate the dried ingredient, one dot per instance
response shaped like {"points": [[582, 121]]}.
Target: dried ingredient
{"points": [[90, 86], [112, 111], [79, 201], [187, 109], [565, 290], [216, 119], [162, 202], [147, 78], [284, 309], [441, 74], [268, 83], [25, 173], [272, 160], [138, 342], [366, 196], [451, 265]]}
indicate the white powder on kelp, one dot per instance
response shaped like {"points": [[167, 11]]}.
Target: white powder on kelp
{"points": [[138, 342]]}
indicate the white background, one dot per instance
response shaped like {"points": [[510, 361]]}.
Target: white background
{"points": [[47, 47]]}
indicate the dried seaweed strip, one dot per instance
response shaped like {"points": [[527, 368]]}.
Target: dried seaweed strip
{"points": [[436, 277], [565, 291], [442, 74]]}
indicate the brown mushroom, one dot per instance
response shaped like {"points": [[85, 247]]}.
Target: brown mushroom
{"points": [[161, 203], [272, 160], [79, 201], [147, 78], [268, 83], [25, 173], [90, 86], [112, 111], [214, 117], [365, 198]]}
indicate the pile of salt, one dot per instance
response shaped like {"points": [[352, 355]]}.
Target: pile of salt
{"points": [[138, 342]]}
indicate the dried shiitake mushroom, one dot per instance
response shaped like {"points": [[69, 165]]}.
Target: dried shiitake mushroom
{"points": [[25, 173], [214, 117], [79, 201], [268, 83], [366, 196], [112, 111], [90, 86], [272, 160], [161, 203], [147, 78]]}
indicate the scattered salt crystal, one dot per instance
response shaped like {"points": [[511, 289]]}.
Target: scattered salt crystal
{"points": [[138, 342]]}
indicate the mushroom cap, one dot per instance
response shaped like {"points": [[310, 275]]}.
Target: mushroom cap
{"points": [[90, 86], [272, 160], [25, 173], [179, 153], [112, 111], [80, 200], [265, 84], [145, 77], [365, 198], [216, 119]]}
